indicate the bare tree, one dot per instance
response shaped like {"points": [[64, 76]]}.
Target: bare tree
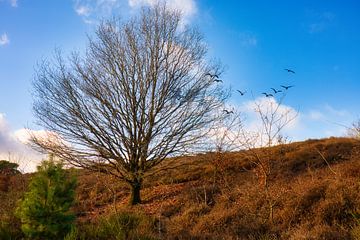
{"points": [[142, 92], [354, 130], [224, 139], [274, 117]]}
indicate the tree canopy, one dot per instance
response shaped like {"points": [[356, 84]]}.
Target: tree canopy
{"points": [[144, 90]]}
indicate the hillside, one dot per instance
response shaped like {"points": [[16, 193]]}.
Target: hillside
{"points": [[312, 193]]}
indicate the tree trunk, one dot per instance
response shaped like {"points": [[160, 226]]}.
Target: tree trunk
{"points": [[135, 192]]}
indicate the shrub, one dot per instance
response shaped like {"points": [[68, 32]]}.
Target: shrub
{"points": [[121, 226], [7, 169], [45, 210]]}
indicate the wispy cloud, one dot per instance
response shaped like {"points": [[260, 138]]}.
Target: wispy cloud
{"points": [[320, 21], [320, 122], [324, 121], [4, 39], [82, 10], [187, 7], [93, 10], [315, 115]]}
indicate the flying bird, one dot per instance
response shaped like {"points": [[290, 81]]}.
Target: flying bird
{"points": [[267, 94], [212, 75], [227, 111], [287, 87], [289, 70], [275, 91], [241, 93]]}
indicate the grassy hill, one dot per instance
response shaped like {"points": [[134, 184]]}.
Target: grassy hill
{"points": [[312, 193]]}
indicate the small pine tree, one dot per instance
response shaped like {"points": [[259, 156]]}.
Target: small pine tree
{"points": [[45, 210]]}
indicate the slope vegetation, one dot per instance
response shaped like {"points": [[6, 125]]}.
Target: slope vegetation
{"points": [[312, 193]]}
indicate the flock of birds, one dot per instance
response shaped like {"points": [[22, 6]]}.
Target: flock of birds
{"points": [[216, 79]]}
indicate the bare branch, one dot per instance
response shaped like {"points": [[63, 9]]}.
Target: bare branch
{"points": [[141, 93]]}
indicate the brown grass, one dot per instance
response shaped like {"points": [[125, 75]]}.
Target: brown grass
{"points": [[314, 195]]}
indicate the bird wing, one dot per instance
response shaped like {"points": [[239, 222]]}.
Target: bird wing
{"points": [[289, 70]]}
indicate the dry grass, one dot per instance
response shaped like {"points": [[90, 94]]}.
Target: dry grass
{"points": [[313, 186]]}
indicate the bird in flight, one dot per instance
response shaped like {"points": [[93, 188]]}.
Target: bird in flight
{"points": [[289, 70], [267, 94], [212, 75], [287, 87], [227, 111], [275, 91], [242, 93]]}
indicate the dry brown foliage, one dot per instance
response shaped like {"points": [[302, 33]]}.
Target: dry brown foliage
{"points": [[313, 199]]}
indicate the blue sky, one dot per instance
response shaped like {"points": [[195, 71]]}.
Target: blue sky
{"points": [[255, 40]]}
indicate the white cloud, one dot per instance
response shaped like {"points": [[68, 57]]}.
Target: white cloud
{"points": [[320, 21], [268, 105], [94, 10], [315, 115], [13, 147], [274, 113], [246, 128], [4, 39], [325, 121], [336, 112], [5, 139], [187, 7], [321, 122], [82, 10]]}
